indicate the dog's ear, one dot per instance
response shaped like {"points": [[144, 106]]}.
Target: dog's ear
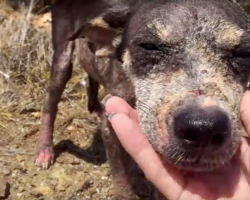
{"points": [[104, 28]]}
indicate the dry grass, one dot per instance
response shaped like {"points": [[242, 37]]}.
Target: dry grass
{"points": [[26, 55]]}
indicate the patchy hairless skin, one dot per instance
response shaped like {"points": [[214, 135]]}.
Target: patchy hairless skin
{"points": [[182, 64]]}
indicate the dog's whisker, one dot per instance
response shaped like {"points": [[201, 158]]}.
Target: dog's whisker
{"points": [[146, 112], [144, 104]]}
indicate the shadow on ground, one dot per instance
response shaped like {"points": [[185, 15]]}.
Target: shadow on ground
{"points": [[94, 154]]}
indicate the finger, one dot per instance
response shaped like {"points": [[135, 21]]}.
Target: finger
{"points": [[115, 104], [245, 117], [245, 156], [245, 111], [141, 151]]}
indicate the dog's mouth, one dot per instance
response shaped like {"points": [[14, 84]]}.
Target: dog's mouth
{"points": [[200, 133], [198, 142], [199, 159]]}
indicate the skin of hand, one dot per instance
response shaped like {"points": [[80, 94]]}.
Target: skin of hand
{"points": [[231, 182]]}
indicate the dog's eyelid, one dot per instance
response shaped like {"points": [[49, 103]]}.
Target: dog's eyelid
{"points": [[243, 49], [149, 45], [238, 52], [152, 45], [243, 52]]}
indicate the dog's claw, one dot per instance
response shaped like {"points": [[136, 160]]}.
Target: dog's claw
{"points": [[45, 165], [44, 158]]}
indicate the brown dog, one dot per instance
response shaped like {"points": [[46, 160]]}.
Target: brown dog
{"points": [[183, 64]]}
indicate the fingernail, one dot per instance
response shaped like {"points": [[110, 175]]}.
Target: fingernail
{"points": [[105, 99], [110, 116]]}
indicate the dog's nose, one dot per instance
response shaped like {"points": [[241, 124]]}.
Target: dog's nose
{"points": [[199, 127]]}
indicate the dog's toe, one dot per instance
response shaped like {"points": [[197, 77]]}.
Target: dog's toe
{"points": [[44, 158]]}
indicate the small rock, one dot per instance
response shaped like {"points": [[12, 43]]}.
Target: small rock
{"points": [[19, 194], [62, 185], [43, 190], [60, 160], [93, 190], [87, 184], [83, 83], [20, 158], [35, 193], [21, 189], [70, 128], [4, 189], [61, 188], [36, 114], [28, 185], [6, 171], [83, 144], [74, 161], [53, 183]]}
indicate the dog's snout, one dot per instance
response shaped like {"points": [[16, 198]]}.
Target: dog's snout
{"points": [[199, 127]]}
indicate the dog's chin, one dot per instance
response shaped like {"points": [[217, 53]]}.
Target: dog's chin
{"points": [[200, 165], [198, 161]]}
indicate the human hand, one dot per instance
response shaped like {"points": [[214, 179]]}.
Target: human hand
{"points": [[231, 183]]}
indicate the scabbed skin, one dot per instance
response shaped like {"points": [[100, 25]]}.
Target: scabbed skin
{"points": [[161, 57]]}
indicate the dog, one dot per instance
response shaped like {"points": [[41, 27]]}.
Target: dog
{"points": [[182, 64]]}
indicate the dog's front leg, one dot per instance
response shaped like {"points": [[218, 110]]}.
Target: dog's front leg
{"points": [[60, 74]]}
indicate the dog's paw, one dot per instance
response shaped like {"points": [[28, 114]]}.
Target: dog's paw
{"points": [[44, 157]]}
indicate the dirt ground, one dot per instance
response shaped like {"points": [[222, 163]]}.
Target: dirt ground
{"points": [[80, 170]]}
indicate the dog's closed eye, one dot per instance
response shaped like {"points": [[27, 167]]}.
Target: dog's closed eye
{"points": [[149, 46], [243, 49], [241, 53]]}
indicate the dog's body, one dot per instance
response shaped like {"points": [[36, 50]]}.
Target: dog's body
{"points": [[175, 61]]}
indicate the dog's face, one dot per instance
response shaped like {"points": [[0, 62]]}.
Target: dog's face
{"points": [[189, 63]]}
